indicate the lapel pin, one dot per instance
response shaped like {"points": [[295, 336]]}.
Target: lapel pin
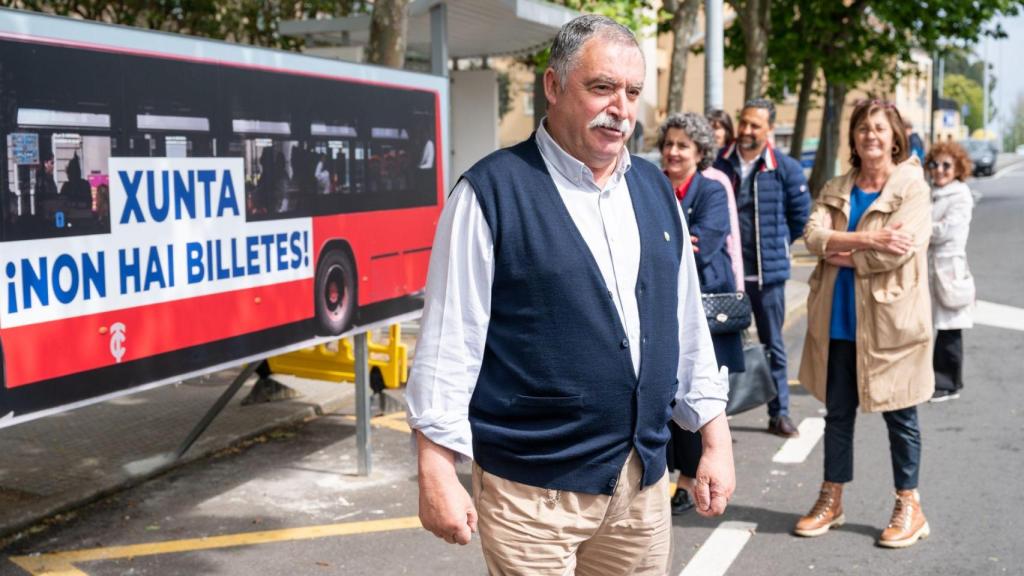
{"points": [[667, 237]]}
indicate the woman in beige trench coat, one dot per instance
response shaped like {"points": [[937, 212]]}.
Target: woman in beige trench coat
{"points": [[869, 320]]}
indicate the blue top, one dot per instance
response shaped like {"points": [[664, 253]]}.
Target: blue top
{"points": [[844, 298]]}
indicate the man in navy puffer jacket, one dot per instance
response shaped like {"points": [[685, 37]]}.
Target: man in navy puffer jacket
{"points": [[773, 204]]}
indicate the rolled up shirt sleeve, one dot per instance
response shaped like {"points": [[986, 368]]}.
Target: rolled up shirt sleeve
{"points": [[703, 387], [453, 330]]}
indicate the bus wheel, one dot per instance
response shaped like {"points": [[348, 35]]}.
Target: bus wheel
{"points": [[335, 293]]}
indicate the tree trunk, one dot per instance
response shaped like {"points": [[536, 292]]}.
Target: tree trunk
{"points": [[684, 20], [803, 105], [828, 144], [540, 100], [387, 33], [756, 19]]}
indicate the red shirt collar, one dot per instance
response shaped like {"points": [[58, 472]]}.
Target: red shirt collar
{"points": [[684, 187]]}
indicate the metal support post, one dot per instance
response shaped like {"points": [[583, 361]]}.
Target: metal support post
{"points": [[935, 97], [985, 84], [216, 409], [714, 44], [363, 404], [439, 39]]}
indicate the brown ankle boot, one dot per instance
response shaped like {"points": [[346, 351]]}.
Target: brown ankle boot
{"points": [[907, 524], [826, 513]]}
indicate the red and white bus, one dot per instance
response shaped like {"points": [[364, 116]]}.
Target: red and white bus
{"points": [[174, 205]]}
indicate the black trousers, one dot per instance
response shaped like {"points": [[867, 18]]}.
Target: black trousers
{"points": [[841, 402], [948, 360], [684, 450]]}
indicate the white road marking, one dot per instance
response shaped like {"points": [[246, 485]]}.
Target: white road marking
{"points": [[720, 549], [999, 315], [795, 450], [1008, 170]]}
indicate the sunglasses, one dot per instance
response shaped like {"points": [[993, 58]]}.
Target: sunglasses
{"points": [[933, 165]]}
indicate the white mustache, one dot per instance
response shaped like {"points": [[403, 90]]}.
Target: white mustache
{"points": [[603, 120]]}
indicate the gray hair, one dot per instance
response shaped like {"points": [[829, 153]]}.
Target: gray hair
{"points": [[575, 33], [697, 129], [763, 104]]}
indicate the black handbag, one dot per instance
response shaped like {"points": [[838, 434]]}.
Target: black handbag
{"points": [[727, 312], [753, 387]]}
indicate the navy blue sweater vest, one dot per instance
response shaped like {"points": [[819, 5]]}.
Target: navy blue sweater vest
{"points": [[558, 404]]}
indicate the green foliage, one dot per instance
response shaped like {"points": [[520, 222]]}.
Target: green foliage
{"points": [[633, 14], [505, 94], [959, 62], [245, 21], [860, 40], [1013, 134], [966, 92]]}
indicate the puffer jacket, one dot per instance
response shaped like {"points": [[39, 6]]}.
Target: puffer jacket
{"points": [[948, 272], [781, 206]]}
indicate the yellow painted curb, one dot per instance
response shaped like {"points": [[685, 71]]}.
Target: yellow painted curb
{"points": [[62, 563]]}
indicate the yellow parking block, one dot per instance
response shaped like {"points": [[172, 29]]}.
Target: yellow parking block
{"points": [[336, 362], [394, 421]]}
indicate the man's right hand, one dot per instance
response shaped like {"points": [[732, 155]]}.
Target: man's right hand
{"points": [[446, 509]]}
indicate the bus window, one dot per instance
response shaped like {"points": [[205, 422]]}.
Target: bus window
{"points": [[273, 164], [172, 103], [174, 136], [389, 160], [332, 145], [57, 175]]}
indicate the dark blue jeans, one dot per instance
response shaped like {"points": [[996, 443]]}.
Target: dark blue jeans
{"points": [[768, 304], [841, 401]]}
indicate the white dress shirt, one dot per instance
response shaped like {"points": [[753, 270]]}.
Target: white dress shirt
{"points": [[453, 331]]}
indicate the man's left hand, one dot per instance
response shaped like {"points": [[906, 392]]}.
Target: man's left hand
{"points": [[716, 474]]}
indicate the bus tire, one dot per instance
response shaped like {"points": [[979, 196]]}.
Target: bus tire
{"points": [[335, 293]]}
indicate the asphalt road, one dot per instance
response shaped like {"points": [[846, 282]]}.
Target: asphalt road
{"points": [[291, 504]]}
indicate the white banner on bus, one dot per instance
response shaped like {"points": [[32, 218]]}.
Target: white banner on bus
{"points": [[177, 231]]}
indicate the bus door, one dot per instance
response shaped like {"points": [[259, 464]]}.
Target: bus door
{"points": [[389, 160], [264, 129], [334, 145]]}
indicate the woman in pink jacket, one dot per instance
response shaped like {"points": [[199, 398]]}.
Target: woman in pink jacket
{"points": [[721, 126]]}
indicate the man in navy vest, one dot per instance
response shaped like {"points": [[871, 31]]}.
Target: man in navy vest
{"points": [[562, 329], [773, 205]]}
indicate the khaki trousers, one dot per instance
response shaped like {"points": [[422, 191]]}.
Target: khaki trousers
{"points": [[538, 532]]}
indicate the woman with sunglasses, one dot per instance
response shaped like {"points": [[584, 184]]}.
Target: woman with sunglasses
{"points": [[869, 321], [950, 279]]}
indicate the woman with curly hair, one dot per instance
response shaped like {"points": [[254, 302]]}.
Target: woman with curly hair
{"points": [[952, 285], [687, 148]]}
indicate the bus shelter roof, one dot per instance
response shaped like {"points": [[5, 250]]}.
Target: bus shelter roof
{"points": [[476, 28]]}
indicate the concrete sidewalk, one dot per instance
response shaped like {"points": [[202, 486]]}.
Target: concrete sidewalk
{"points": [[58, 463], [55, 464]]}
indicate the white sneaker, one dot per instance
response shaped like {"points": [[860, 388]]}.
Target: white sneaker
{"points": [[943, 395]]}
